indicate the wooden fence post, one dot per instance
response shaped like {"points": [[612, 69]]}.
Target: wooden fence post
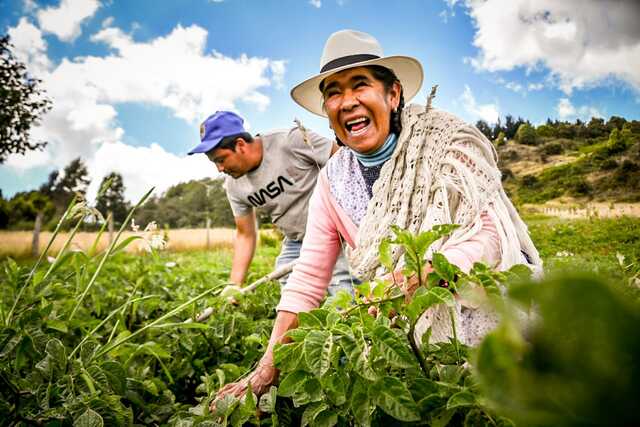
{"points": [[35, 242]]}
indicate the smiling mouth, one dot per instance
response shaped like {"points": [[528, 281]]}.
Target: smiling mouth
{"points": [[357, 126]]}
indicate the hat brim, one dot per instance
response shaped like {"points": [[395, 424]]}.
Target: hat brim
{"points": [[408, 70], [205, 146]]}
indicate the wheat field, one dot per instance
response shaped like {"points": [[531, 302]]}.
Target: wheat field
{"points": [[18, 243]]}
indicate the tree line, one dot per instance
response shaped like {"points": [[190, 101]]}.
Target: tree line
{"points": [[524, 132], [185, 205]]}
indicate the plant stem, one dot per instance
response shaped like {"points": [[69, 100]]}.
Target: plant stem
{"points": [[158, 320], [416, 349], [106, 255], [455, 335], [366, 304], [37, 264]]}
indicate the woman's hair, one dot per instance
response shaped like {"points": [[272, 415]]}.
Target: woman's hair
{"points": [[388, 78]]}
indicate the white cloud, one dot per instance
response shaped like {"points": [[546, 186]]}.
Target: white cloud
{"points": [[107, 22], [567, 111], [316, 3], [581, 42], [535, 87], [173, 71], [486, 112], [29, 47], [145, 167], [65, 20], [29, 6]]}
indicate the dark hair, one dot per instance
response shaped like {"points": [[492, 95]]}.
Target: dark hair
{"points": [[229, 142], [388, 78]]}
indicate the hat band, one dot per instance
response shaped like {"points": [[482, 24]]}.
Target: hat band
{"points": [[347, 60]]}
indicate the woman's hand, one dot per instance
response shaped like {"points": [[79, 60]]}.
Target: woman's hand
{"points": [[263, 376], [408, 285]]}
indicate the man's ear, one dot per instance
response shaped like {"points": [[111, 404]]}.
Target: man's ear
{"points": [[241, 144]]}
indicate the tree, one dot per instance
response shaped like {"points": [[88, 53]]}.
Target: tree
{"points": [[526, 135], [484, 128], [22, 104], [111, 199], [4, 212], [74, 179]]}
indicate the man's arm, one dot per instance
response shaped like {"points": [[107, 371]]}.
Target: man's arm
{"points": [[243, 247]]}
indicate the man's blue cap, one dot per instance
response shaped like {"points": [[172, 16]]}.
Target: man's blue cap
{"points": [[216, 127]]}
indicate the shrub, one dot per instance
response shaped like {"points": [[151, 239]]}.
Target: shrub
{"points": [[526, 135], [608, 164], [552, 148], [529, 181]]}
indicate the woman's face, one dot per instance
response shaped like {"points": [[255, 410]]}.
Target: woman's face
{"points": [[359, 108]]}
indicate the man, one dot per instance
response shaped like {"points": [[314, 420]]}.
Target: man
{"points": [[275, 171]]}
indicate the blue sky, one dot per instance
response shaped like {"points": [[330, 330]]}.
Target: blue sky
{"points": [[131, 81]]}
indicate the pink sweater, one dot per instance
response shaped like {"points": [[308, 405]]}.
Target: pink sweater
{"points": [[328, 224]]}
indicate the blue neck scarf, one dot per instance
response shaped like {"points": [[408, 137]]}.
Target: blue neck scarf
{"points": [[379, 156]]}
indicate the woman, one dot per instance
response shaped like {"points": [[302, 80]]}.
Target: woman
{"points": [[409, 166]]}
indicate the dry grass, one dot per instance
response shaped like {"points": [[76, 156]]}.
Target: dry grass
{"points": [[18, 243], [569, 209]]}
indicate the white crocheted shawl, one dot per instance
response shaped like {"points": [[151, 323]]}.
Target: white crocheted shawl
{"points": [[442, 171]]}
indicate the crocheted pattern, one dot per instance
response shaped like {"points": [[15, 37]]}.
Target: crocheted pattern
{"points": [[442, 171], [347, 185]]}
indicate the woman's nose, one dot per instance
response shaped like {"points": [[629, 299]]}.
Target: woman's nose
{"points": [[349, 100]]}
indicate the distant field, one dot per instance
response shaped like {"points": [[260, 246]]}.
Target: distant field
{"points": [[574, 210], [18, 243]]}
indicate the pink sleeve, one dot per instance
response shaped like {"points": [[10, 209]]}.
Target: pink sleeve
{"points": [[308, 283], [483, 246]]}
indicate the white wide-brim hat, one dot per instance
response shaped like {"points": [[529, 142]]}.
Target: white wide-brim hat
{"points": [[349, 49]]}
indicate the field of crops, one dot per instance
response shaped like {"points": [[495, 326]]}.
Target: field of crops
{"points": [[98, 337]]}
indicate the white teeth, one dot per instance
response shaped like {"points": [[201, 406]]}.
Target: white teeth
{"points": [[353, 122]]}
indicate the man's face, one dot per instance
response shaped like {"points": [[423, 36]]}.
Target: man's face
{"points": [[230, 162]]}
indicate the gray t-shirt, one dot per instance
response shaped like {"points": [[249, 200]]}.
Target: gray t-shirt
{"points": [[283, 182]]}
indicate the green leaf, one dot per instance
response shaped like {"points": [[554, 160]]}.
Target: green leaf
{"points": [[311, 391], [87, 351], [297, 335], [246, 410], [268, 401], [311, 412], [385, 254], [441, 417], [58, 354], [393, 348], [353, 348], [313, 319], [461, 399], [394, 398], [293, 383], [57, 325], [361, 405], [441, 265], [423, 301], [116, 376], [126, 242], [317, 351], [225, 406], [287, 357], [326, 418], [335, 387], [89, 418]]}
